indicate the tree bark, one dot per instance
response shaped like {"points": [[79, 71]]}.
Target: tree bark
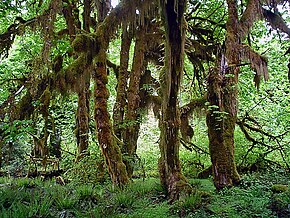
{"points": [[222, 113], [133, 109], [86, 15], [121, 97], [1, 148], [169, 165], [83, 111], [107, 141]]}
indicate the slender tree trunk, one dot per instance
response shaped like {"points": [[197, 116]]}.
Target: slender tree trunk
{"points": [[121, 98], [222, 115], [169, 165], [83, 112], [1, 149], [107, 141], [86, 15], [133, 109]]}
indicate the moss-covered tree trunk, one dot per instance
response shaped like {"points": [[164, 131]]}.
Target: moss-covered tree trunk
{"points": [[133, 106], [1, 152], [83, 114], [107, 141], [71, 15], [222, 113], [121, 97], [169, 165]]}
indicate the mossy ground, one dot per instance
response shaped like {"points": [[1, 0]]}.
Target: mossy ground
{"points": [[35, 198]]}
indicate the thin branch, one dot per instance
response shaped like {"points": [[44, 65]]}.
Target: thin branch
{"points": [[277, 139], [192, 146], [222, 25]]}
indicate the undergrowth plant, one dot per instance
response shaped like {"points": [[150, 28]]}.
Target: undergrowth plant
{"points": [[90, 169], [258, 195]]}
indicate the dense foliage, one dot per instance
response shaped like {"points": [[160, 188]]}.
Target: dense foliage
{"points": [[175, 89]]}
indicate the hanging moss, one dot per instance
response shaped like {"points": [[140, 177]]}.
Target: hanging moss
{"points": [[196, 105], [59, 82], [45, 97], [44, 102], [47, 23], [24, 108], [68, 79]]}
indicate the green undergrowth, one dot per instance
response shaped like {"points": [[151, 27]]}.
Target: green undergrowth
{"points": [[259, 195]]}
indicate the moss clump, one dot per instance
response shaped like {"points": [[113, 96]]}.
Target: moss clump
{"points": [[278, 188], [182, 184], [83, 42]]}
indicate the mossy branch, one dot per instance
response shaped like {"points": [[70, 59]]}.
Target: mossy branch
{"points": [[276, 21], [7, 38], [252, 13], [190, 146], [90, 44], [186, 111], [193, 105]]}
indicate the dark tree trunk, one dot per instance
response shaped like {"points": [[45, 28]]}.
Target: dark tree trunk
{"points": [[221, 124], [55, 143], [169, 165], [222, 113], [133, 109], [119, 107], [86, 15]]}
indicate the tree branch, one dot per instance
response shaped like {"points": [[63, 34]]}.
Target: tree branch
{"points": [[192, 146], [252, 13], [276, 21]]}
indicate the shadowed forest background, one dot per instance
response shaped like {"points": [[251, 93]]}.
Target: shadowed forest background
{"points": [[168, 108]]}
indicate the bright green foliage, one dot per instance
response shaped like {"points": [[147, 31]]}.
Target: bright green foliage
{"points": [[188, 204], [148, 149], [253, 198], [87, 192]]}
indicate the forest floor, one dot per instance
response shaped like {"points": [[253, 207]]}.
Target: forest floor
{"points": [[259, 195]]}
